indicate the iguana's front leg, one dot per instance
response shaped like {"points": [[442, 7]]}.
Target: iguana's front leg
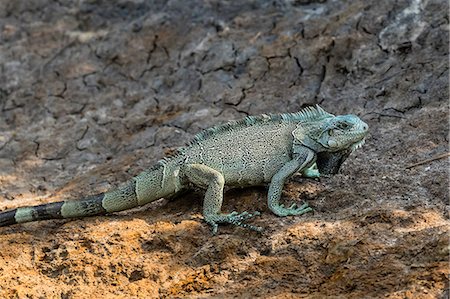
{"points": [[301, 161], [209, 178]]}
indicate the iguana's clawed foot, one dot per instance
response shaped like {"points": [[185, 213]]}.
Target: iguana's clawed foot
{"points": [[233, 218], [312, 172], [292, 210]]}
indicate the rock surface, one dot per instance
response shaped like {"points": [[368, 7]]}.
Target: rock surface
{"points": [[93, 92]]}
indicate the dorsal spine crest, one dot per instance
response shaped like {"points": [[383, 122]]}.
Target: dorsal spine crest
{"points": [[308, 114], [305, 115]]}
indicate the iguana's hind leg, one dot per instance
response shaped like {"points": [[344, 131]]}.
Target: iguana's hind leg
{"points": [[213, 181]]}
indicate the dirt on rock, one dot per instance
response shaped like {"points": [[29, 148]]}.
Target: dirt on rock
{"points": [[93, 92]]}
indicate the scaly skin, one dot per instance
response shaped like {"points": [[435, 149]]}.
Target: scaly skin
{"points": [[265, 149]]}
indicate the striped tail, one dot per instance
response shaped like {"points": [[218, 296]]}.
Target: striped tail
{"points": [[113, 201], [148, 186]]}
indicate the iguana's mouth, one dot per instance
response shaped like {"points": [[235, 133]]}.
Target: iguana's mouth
{"points": [[358, 144], [357, 136], [362, 132]]}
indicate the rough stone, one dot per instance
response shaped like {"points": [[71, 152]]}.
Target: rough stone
{"points": [[93, 92]]}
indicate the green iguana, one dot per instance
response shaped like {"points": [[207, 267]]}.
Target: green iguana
{"points": [[257, 150]]}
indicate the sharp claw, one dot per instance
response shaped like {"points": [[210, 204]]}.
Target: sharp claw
{"points": [[293, 206], [303, 206]]}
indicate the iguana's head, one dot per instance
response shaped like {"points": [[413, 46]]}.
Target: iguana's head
{"points": [[329, 133], [341, 132]]}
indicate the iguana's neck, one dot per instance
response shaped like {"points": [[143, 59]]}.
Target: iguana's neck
{"points": [[310, 143]]}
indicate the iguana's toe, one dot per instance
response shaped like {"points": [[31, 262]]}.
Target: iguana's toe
{"points": [[240, 218], [293, 206], [311, 173], [233, 218], [292, 210]]}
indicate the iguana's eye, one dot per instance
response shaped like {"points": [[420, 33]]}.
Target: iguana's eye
{"points": [[331, 132], [343, 126]]}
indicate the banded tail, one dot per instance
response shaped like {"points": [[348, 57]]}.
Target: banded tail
{"points": [[145, 188]]}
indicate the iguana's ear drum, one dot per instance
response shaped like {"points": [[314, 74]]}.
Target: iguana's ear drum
{"points": [[330, 163]]}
